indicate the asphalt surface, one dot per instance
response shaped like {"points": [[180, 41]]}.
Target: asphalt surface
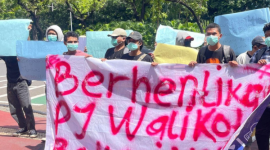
{"points": [[37, 91]]}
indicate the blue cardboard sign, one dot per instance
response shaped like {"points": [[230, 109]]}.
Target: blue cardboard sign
{"points": [[10, 32], [32, 57], [167, 35], [239, 29]]}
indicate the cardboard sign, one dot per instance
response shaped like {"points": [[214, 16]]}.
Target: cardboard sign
{"points": [[10, 32], [32, 57], [165, 53], [239, 29]]}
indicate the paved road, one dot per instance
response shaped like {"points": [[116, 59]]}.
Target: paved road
{"points": [[37, 91]]}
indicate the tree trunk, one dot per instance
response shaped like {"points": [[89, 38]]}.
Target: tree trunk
{"points": [[39, 33], [143, 10], [136, 14], [34, 33], [191, 10], [35, 20]]}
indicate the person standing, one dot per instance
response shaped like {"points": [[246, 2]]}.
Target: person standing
{"points": [[118, 40], [54, 33], [257, 43], [215, 52], [19, 98], [71, 40], [135, 44]]}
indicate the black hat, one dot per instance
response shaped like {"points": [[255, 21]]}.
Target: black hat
{"points": [[135, 35], [258, 40]]}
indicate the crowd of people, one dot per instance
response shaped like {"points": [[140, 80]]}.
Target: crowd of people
{"points": [[131, 47]]}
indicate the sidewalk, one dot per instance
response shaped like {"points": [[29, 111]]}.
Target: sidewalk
{"points": [[9, 126]]}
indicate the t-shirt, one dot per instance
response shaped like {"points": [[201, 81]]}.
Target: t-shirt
{"points": [[78, 53], [215, 57], [13, 72], [147, 58], [243, 58], [111, 54]]}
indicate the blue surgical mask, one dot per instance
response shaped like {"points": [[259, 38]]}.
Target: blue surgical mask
{"points": [[267, 42], [52, 37], [114, 42], [132, 46], [212, 40], [72, 46]]}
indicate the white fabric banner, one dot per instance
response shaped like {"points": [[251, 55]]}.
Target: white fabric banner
{"points": [[129, 105]]}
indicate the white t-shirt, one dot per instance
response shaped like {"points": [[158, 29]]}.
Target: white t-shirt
{"points": [[243, 58]]}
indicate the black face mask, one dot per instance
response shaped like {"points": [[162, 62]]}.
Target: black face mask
{"points": [[187, 43]]}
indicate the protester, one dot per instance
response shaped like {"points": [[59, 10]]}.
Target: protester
{"points": [[263, 126], [215, 52], [257, 43], [183, 39], [71, 40], [19, 97], [146, 50], [135, 44], [118, 41], [54, 33]]}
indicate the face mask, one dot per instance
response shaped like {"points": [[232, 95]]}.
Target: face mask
{"points": [[212, 40], [114, 42], [52, 37], [132, 46], [72, 47], [267, 42]]}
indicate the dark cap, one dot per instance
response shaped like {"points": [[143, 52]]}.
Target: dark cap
{"points": [[258, 40], [135, 35]]}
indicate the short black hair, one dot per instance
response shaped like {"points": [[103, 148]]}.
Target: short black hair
{"points": [[70, 34], [266, 27], [213, 25]]}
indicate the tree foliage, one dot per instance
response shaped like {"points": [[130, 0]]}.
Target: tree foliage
{"points": [[220, 7], [140, 15], [83, 10]]}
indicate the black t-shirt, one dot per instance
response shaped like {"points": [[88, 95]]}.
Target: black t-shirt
{"points": [[13, 72], [147, 58], [110, 54], [215, 57]]}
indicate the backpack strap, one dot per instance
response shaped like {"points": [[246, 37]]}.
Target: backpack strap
{"points": [[226, 53], [142, 57], [201, 53]]}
